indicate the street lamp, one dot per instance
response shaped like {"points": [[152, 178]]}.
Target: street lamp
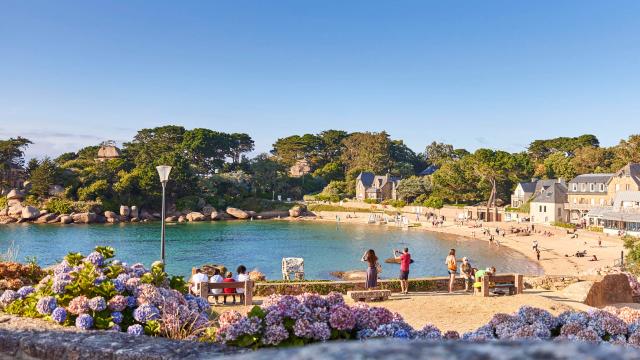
{"points": [[163, 172]]}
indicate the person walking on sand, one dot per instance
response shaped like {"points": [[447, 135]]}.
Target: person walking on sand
{"points": [[452, 267], [405, 261], [373, 269]]}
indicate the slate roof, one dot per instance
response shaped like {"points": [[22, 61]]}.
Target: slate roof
{"points": [[429, 170], [366, 178], [555, 194], [535, 186], [625, 196], [591, 178]]}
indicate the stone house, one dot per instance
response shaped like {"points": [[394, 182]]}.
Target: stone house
{"points": [[587, 192], [548, 205], [624, 215], [625, 179], [524, 191], [378, 187], [108, 152]]}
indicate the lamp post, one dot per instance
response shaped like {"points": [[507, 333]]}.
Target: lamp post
{"points": [[163, 172]]}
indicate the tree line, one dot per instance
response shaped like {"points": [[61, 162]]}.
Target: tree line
{"points": [[214, 167]]}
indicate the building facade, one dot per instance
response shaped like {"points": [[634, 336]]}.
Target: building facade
{"points": [[586, 192], [624, 216], [548, 205], [376, 187], [526, 190], [625, 179]]}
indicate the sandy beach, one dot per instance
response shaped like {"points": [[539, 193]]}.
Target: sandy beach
{"points": [[552, 248]]}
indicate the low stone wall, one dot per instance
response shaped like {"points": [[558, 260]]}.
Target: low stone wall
{"points": [[25, 338], [550, 282], [325, 287]]}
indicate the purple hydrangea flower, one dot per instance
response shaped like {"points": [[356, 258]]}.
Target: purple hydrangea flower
{"points": [[46, 305], [7, 297], [116, 317], [59, 285], [99, 280], [146, 312], [342, 318], [62, 268], [274, 335], [24, 291], [59, 314], [116, 328], [429, 332], [117, 303], [97, 303], [135, 330], [84, 322], [79, 305], [131, 301]]}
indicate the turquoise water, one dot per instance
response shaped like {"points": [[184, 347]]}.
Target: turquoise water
{"points": [[260, 244]]}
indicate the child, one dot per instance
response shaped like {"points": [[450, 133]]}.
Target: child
{"points": [[229, 291]]}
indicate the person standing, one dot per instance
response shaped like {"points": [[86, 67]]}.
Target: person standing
{"points": [[372, 271], [405, 262], [452, 267], [538, 254]]}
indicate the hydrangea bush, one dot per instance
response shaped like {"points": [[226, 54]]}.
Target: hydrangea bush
{"points": [[298, 320], [99, 292]]}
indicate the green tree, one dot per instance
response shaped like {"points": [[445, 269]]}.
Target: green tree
{"points": [[290, 149], [331, 171], [240, 143], [627, 151], [456, 182], [43, 176], [437, 153], [332, 146], [367, 151], [413, 187], [559, 165], [591, 159], [11, 156], [206, 149], [269, 176], [541, 149]]}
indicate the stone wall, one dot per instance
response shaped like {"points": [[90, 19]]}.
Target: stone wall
{"points": [[550, 282]]}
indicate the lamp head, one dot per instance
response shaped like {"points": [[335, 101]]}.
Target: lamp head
{"points": [[163, 172]]}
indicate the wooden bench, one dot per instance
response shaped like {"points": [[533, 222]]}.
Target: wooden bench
{"points": [[204, 290], [514, 283], [369, 295]]}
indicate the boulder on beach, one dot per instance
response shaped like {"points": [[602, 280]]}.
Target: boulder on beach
{"points": [[45, 218], [124, 211], [84, 218], [15, 194], [4, 211], [15, 210], [171, 219], [182, 218], [609, 289], [195, 216], [215, 215], [134, 212], [145, 215], [66, 219], [111, 216], [29, 213], [237, 213], [7, 220]]}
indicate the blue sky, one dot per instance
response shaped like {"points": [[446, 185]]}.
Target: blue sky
{"points": [[472, 73]]}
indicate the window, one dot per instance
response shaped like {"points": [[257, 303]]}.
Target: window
{"points": [[545, 208], [628, 187], [601, 187], [575, 187], [540, 208], [592, 187]]}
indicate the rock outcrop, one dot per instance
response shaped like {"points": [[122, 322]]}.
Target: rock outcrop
{"points": [[15, 194], [237, 213], [66, 219], [207, 210], [134, 212], [297, 211], [45, 218], [195, 216], [84, 218], [124, 211], [29, 213], [610, 289], [111, 217]]}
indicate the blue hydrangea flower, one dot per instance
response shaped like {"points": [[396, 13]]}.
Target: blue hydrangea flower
{"points": [[131, 301], [203, 304], [7, 297], [116, 327], [59, 315], [24, 291], [59, 286], [116, 317], [146, 312], [118, 285], [46, 305], [401, 334], [135, 330], [84, 322]]}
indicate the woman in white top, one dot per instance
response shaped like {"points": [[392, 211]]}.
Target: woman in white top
{"points": [[198, 277], [242, 276], [216, 278]]}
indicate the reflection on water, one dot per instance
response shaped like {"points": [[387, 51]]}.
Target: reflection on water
{"points": [[261, 244]]}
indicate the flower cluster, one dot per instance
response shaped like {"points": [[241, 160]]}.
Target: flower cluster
{"points": [[130, 297], [15, 275]]}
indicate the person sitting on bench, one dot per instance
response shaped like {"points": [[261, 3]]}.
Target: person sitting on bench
{"points": [[216, 278], [242, 276], [229, 291], [197, 278]]}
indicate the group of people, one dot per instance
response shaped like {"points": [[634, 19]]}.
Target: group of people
{"points": [[218, 277], [467, 272]]}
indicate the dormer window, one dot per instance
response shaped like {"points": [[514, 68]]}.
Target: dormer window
{"points": [[574, 187], [601, 187], [592, 187]]}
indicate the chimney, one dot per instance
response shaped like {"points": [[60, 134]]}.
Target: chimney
{"points": [[534, 179]]}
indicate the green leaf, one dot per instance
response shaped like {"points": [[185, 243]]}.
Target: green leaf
{"points": [[257, 311]]}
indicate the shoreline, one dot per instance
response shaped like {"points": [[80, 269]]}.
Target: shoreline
{"points": [[552, 248]]}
